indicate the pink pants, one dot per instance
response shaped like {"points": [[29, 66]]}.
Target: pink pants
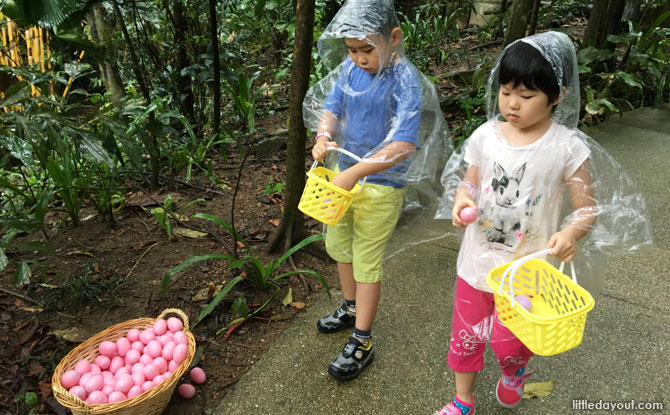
{"points": [[470, 326]]}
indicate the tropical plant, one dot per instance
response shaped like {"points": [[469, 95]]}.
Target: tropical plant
{"points": [[165, 214]]}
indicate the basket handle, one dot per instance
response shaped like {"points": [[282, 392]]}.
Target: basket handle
{"points": [[512, 269], [181, 314], [348, 153]]}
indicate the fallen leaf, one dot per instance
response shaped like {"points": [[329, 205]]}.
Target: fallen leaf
{"points": [[240, 244], [201, 295], [45, 389], [188, 233], [538, 389], [289, 297], [274, 222], [32, 309], [73, 334], [83, 253], [29, 331], [298, 305], [35, 369]]}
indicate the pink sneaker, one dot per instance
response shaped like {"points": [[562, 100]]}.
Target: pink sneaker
{"points": [[510, 388], [454, 408]]}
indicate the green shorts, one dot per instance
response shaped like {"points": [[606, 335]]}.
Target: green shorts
{"points": [[361, 235]]}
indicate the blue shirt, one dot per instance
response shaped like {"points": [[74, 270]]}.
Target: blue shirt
{"points": [[376, 108]]}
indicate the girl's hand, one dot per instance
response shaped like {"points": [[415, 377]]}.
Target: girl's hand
{"points": [[564, 245], [319, 150], [460, 203], [346, 179]]}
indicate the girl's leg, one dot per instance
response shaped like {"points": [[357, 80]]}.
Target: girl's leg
{"points": [[512, 355], [465, 385], [367, 301]]}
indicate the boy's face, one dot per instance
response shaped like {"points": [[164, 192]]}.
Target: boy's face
{"points": [[374, 52], [523, 107]]}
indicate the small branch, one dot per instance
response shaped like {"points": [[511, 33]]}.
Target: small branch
{"points": [[21, 296], [140, 258], [237, 188]]}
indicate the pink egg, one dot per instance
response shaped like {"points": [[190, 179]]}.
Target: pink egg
{"points": [[134, 391], [180, 338], [138, 378], [138, 368], [160, 327], [116, 364], [150, 372], [107, 374], [174, 324], [164, 339], [168, 350], [198, 375], [95, 383], [172, 366], [161, 364], [146, 359], [95, 369], [102, 362], [147, 385], [180, 353], [158, 379], [147, 335], [109, 380], [154, 348], [133, 335], [85, 378], [137, 345], [107, 348], [132, 357], [78, 391], [107, 389], [83, 366], [123, 371], [186, 391], [124, 383], [122, 346], [524, 302], [468, 215], [116, 396], [70, 379], [97, 397]]}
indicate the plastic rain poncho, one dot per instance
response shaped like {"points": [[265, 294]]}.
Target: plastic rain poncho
{"points": [[368, 110], [522, 194]]}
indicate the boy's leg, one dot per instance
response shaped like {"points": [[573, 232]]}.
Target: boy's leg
{"points": [[367, 301], [345, 316]]}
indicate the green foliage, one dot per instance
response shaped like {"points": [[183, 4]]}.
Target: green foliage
{"points": [[475, 113], [87, 289], [165, 214], [239, 87], [273, 188]]}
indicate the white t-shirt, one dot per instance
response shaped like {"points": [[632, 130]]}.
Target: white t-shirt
{"points": [[520, 195]]}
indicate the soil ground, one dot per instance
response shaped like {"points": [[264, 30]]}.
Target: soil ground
{"points": [[102, 273]]}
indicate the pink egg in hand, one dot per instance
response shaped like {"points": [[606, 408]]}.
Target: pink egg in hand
{"points": [[116, 396], [78, 391], [180, 353], [116, 364], [174, 324], [122, 346], [180, 338], [83, 366], [147, 335], [132, 357], [160, 327], [97, 397], [524, 301], [95, 383], [198, 375], [133, 335], [186, 390], [154, 348], [468, 215], [107, 348], [102, 362], [134, 391], [70, 379]]}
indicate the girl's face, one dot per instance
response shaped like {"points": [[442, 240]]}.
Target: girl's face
{"points": [[524, 108]]}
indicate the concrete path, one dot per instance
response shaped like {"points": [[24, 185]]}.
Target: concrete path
{"points": [[624, 355]]}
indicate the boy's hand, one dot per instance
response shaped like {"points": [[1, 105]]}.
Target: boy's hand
{"points": [[346, 179], [460, 203], [319, 150], [564, 245]]}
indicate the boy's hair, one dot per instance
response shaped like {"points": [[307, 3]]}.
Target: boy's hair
{"points": [[523, 64], [370, 17]]}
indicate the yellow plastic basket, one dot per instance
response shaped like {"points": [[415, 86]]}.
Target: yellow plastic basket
{"points": [[321, 199], [557, 316]]}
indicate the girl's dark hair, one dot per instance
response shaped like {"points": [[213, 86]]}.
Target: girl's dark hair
{"points": [[523, 64]]}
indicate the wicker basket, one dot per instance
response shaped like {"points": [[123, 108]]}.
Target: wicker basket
{"points": [[151, 402]]}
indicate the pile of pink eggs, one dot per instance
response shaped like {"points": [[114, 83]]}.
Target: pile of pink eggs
{"points": [[132, 365]]}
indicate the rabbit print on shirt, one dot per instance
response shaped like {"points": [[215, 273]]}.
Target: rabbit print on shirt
{"points": [[508, 208]]}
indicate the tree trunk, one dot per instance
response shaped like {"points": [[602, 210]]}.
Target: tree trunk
{"points": [[108, 70], [532, 26], [518, 20], [292, 228], [604, 20], [213, 33], [183, 61]]}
